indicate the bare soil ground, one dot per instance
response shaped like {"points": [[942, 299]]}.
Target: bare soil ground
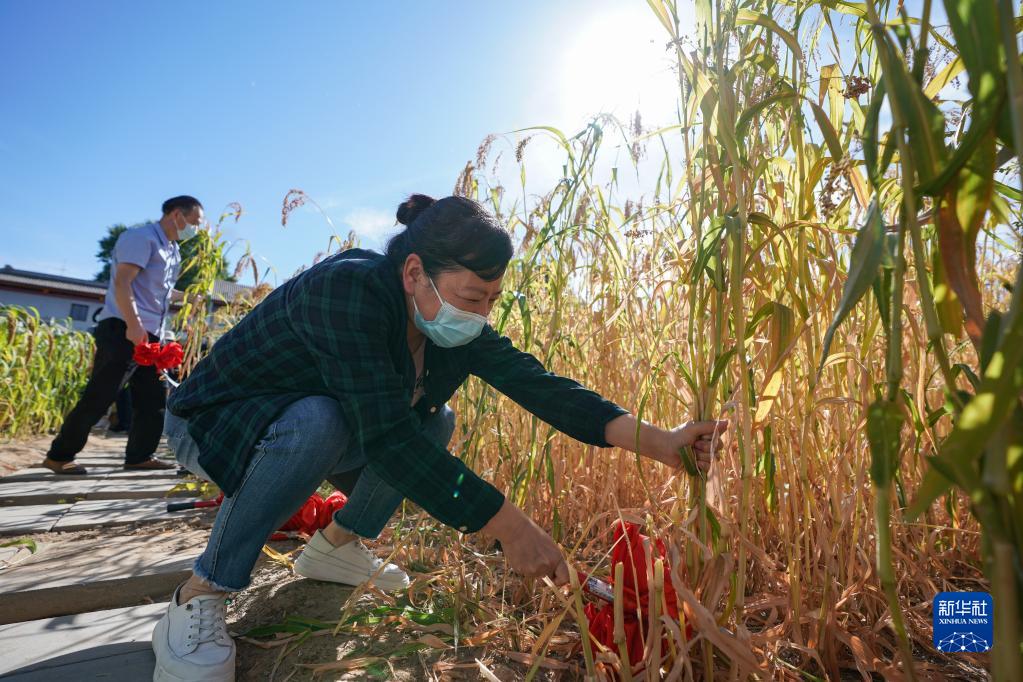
{"points": [[381, 652], [22, 453]]}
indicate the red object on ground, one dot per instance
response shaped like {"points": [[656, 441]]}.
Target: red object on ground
{"points": [[195, 504], [162, 357], [315, 513], [637, 553]]}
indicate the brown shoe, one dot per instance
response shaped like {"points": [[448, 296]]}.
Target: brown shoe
{"points": [[151, 463], [64, 468]]}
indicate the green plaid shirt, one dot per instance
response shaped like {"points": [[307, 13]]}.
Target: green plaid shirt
{"points": [[340, 329]]}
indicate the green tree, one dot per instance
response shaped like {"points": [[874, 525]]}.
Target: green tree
{"points": [[188, 248], [106, 249]]}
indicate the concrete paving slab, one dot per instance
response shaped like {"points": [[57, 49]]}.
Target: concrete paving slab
{"points": [[111, 462], [111, 451], [46, 492], [90, 575], [44, 474], [119, 473], [134, 489], [104, 445], [114, 453], [69, 647], [95, 472], [36, 518], [112, 447], [99, 513], [117, 463], [115, 663]]}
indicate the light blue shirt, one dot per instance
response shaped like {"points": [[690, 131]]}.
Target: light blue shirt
{"points": [[147, 247]]}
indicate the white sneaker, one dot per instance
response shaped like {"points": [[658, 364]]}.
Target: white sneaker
{"points": [[350, 564], [191, 642]]}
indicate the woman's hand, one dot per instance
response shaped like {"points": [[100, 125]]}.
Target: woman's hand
{"points": [[529, 550], [702, 440]]}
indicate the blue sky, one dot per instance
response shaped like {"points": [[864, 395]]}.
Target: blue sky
{"points": [[111, 107]]}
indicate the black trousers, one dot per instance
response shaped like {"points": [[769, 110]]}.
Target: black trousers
{"points": [[148, 397]]}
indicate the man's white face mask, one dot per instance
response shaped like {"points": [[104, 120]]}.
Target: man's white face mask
{"points": [[186, 231]]}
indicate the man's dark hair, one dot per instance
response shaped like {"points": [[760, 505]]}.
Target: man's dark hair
{"points": [[448, 234], [186, 203]]}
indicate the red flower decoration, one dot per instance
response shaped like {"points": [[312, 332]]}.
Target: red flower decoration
{"points": [[170, 356], [146, 353], [151, 354]]}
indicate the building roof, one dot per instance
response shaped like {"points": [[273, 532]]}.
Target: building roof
{"points": [[26, 279], [223, 291], [228, 291]]}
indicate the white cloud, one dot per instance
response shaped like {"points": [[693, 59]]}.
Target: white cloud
{"points": [[330, 201], [372, 225]]}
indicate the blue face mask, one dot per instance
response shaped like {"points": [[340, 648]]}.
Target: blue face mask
{"points": [[452, 326]]}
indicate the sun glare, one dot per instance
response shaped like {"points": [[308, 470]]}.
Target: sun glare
{"points": [[616, 63]]}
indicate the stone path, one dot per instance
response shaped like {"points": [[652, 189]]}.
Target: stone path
{"points": [[37, 518], [82, 604], [85, 575], [87, 488], [113, 644], [105, 472]]}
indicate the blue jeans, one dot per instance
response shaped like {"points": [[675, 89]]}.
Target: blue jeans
{"points": [[308, 443]]}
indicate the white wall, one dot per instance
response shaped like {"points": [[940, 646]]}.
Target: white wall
{"points": [[52, 307]]}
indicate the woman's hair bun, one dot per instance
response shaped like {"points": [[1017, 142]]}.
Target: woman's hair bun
{"points": [[412, 207], [450, 234]]}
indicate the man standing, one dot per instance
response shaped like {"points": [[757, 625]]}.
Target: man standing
{"points": [[144, 267]]}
